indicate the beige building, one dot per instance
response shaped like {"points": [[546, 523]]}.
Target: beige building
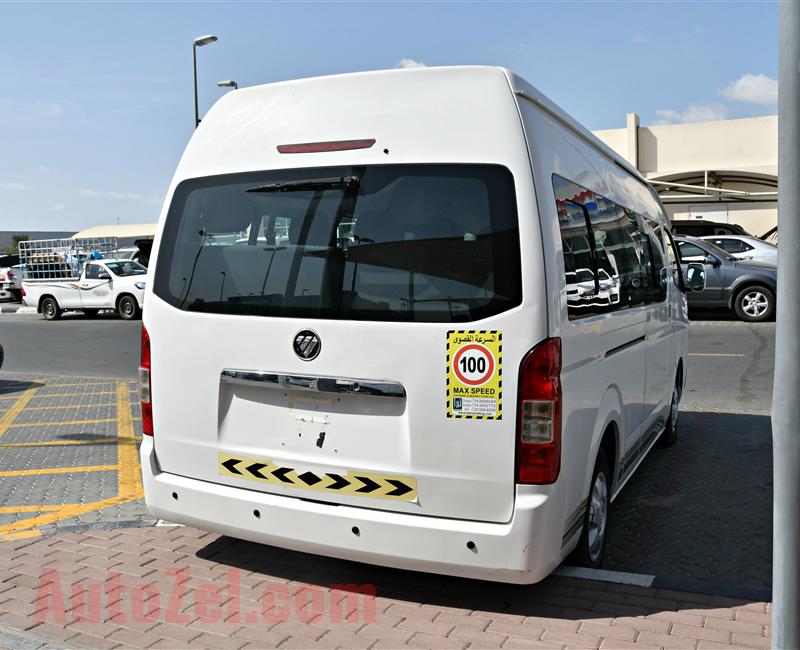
{"points": [[721, 171]]}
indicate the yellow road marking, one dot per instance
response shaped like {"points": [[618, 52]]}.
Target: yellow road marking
{"points": [[84, 383], [58, 470], [22, 401], [56, 443], [6, 510], [130, 475], [63, 423], [24, 534], [68, 406], [129, 479], [100, 392]]}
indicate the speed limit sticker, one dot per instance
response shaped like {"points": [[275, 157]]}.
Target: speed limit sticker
{"points": [[475, 374]]}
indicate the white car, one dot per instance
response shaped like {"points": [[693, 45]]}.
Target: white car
{"points": [[424, 392], [745, 248], [103, 284]]}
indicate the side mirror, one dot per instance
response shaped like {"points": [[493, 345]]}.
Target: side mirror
{"points": [[103, 276], [710, 259], [695, 277]]}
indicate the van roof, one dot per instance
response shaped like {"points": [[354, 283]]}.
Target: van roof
{"points": [[473, 89]]}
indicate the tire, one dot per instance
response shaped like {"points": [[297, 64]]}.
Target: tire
{"points": [[592, 543], [90, 313], [670, 435], [128, 308], [755, 304], [50, 309]]}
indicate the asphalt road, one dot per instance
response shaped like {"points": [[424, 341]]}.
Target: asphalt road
{"points": [[699, 511], [75, 345]]}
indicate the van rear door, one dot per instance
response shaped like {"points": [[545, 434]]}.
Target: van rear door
{"points": [[314, 330]]}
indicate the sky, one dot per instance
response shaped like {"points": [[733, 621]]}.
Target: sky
{"points": [[96, 99]]}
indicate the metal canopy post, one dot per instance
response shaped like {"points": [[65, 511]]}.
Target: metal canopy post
{"points": [[785, 402]]}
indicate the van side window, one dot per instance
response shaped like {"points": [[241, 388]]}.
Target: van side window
{"points": [[654, 260], [613, 257], [620, 250], [583, 285]]}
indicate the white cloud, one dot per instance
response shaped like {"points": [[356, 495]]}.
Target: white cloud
{"points": [[641, 39], [13, 185], [120, 196], [692, 113], [752, 88], [410, 63], [57, 207]]}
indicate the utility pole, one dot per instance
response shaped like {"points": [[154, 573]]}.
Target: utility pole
{"points": [[785, 396]]}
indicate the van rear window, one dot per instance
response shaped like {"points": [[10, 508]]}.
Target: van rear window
{"points": [[419, 243]]}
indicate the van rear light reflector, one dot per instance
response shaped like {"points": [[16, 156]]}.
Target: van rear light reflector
{"points": [[539, 415], [145, 393], [319, 147]]}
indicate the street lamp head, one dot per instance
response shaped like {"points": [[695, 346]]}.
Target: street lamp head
{"points": [[228, 83], [204, 40]]}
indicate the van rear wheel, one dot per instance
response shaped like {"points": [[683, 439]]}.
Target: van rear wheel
{"points": [[670, 435], [592, 544], [50, 309]]}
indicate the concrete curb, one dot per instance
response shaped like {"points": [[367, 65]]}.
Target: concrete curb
{"points": [[18, 640], [666, 582]]}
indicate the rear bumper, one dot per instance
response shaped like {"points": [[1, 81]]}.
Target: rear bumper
{"points": [[523, 551]]}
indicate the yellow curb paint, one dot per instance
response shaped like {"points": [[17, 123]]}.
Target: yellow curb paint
{"points": [[7, 421], [63, 423], [11, 510], [25, 534], [129, 475], [58, 470]]}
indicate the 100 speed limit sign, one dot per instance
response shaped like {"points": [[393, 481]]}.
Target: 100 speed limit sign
{"points": [[474, 374]]}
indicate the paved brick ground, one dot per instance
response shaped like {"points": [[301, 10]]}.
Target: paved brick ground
{"points": [[66, 442], [175, 587]]}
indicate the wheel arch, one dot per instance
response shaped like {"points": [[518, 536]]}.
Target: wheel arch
{"points": [[748, 281], [42, 298]]}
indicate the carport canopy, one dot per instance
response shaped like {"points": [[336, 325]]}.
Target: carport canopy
{"points": [[120, 231]]}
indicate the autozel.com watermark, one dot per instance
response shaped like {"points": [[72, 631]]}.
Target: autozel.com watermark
{"points": [[95, 601]]}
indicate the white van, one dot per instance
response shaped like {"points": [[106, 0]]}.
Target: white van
{"points": [[361, 342]]}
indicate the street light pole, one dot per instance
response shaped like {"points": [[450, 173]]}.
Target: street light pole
{"points": [[200, 41], [785, 405]]}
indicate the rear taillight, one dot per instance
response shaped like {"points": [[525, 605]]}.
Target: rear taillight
{"points": [[10, 275], [539, 414], [144, 386]]}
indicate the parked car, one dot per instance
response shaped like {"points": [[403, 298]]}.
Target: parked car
{"points": [[102, 284], [423, 391], [10, 277], [703, 228], [11, 281], [771, 236], [745, 248], [746, 287]]}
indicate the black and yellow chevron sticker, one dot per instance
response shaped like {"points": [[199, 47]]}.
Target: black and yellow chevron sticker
{"points": [[351, 483]]}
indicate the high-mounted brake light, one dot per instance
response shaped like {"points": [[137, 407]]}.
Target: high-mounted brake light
{"points": [[539, 414], [145, 394], [319, 147]]}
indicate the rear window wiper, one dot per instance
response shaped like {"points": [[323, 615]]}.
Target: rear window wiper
{"points": [[308, 185]]}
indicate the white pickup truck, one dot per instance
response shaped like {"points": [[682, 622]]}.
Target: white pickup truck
{"points": [[102, 284]]}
